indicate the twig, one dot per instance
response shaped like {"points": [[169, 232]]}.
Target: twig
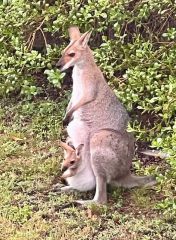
{"points": [[165, 22], [31, 39], [32, 36], [44, 37]]}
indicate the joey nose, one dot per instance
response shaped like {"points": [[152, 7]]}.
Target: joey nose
{"points": [[63, 169]]}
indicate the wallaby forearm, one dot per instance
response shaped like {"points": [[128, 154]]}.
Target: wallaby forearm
{"points": [[87, 98], [69, 106], [81, 103]]}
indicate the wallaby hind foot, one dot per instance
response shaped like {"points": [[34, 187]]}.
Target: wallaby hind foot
{"points": [[86, 202], [131, 181], [100, 193]]}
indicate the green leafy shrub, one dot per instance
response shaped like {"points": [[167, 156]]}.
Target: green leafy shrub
{"points": [[133, 42]]}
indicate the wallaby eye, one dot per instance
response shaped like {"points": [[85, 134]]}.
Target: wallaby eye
{"points": [[72, 162], [71, 54]]}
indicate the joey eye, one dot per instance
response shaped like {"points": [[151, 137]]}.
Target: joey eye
{"points": [[71, 54], [72, 162]]}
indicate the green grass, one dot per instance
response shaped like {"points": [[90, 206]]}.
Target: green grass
{"points": [[31, 209]]}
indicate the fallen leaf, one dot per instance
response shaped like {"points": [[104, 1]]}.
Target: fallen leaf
{"points": [[16, 138]]}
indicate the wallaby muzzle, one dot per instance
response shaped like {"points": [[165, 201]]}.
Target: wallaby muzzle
{"points": [[60, 63], [63, 169]]}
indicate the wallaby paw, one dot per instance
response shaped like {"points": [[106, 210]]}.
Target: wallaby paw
{"points": [[66, 121], [57, 187], [60, 188]]}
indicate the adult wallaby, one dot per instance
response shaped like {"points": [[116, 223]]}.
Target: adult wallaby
{"points": [[92, 99], [111, 159], [94, 106]]}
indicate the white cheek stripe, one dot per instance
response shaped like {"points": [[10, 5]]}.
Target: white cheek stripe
{"points": [[67, 65]]}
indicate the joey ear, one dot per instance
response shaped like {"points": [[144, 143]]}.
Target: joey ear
{"points": [[74, 33], [69, 143], [66, 146], [83, 40], [78, 150], [71, 146]]}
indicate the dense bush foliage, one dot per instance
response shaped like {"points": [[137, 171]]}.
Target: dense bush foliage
{"points": [[134, 43]]}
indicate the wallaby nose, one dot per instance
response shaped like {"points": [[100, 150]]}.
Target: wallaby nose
{"points": [[59, 64], [63, 169]]}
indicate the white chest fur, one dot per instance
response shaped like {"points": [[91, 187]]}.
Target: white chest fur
{"points": [[78, 131], [77, 84]]}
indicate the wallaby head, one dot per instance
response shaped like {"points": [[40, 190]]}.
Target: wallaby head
{"points": [[72, 159], [76, 51]]}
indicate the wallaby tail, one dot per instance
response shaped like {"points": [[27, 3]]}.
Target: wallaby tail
{"points": [[131, 181], [155, 153]]}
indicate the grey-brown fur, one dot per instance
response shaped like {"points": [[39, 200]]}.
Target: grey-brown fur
{"points": [[102, 109], [111, 155]]}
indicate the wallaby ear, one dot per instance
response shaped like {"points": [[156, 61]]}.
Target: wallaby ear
{"points": [[83, 40], [74, 33], [78, 151]]}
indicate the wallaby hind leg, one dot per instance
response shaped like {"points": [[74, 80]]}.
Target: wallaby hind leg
{"points": [[131, 181], [100, 193]]}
